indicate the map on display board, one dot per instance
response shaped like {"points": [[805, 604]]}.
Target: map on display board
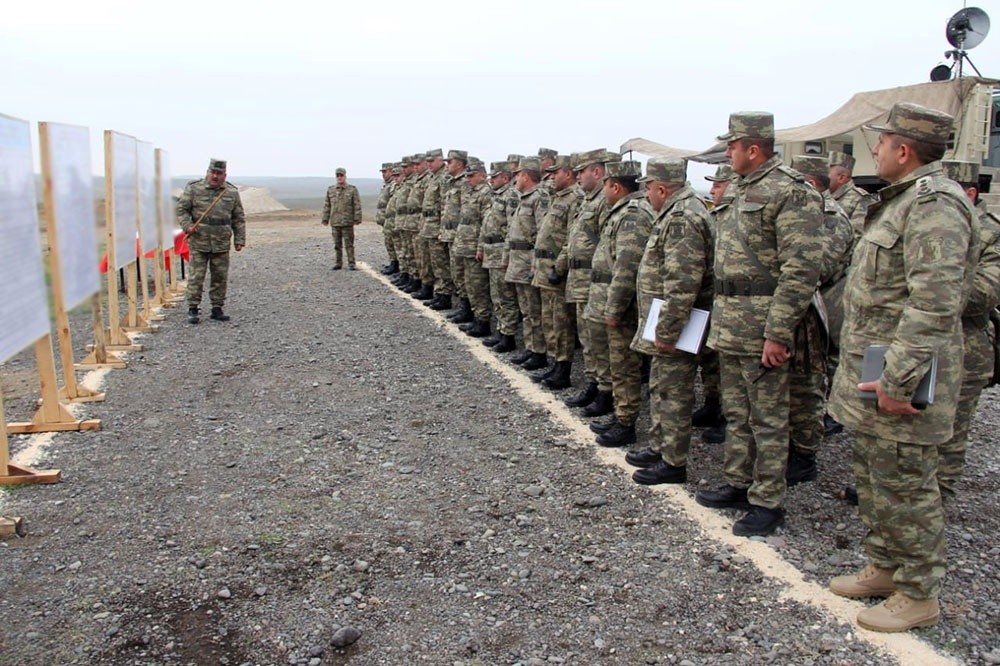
{"points": [[123, 184], [146, 170], [167, 218], [68, 155], [24, 308]]}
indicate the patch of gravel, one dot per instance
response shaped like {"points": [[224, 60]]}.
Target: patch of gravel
{"points": [[331, 478]]}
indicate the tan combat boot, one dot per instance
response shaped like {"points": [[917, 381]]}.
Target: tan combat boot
{"points": [[900, 613], [871, 581]]}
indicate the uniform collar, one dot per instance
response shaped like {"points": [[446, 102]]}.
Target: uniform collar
{"points": [[897, 188]]}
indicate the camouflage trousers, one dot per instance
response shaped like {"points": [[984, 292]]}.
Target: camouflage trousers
{"points": [[504, 298], [390, 243], [558, 326], [477, 288], [708, 361], [671, 401], [422, 248], [529, 302], [343, 239], [626, 371], [404, 251], [755, 403], [978, 370], [594, 337], [457, 270], [441, 265], [807, 388], [215, 263], [900, 504]]}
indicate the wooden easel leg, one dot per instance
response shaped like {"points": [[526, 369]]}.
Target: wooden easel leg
{"points": [[12, 525], [20, 476]]}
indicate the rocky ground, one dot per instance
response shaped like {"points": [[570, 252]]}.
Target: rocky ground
{"points": [[336, 461]]}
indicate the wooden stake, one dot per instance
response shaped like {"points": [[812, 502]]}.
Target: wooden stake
{"points": [[11, 475]]}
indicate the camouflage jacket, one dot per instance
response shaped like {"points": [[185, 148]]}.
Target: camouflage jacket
{"points": [[413, 207], [855, 202], [840, 242], [476, 205], [430, 224], [383, 203], [775, 223], [224, 222], [551, 236], [451, 212], [616, 260], [391, 207], [676, 266], [493, 234], [522, 229], [342, 207], [910, 277], [574, 261]]}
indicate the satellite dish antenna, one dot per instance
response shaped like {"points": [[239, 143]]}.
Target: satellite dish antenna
{"points": [[941, 73], [966, 30]]}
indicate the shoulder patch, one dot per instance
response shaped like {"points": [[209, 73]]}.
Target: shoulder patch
{"points": [[925, 187]]}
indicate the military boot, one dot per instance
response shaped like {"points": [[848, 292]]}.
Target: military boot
{"points": [[402, 279], [584, 397], [708, 415], [715, 434], [505, 345], [560, 378], [480, 329], [603, 424], [801, 468], [900, 613], [660, 472], [493, 340], [444, 303], [872, 581], [759, 521], [602, 404], [519, 357], [831, 426], [618, 435], [426, 292], [391, 268], [433, 301], [193, 317], [646, 457], [535, 362], [217, 314], [414, 285], [544, 374], [464, 315], [724, 497]]}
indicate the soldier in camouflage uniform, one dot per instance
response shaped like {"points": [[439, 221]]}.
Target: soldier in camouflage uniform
{"points": [[476, 205], [546, 158], [430, 232], [676, 267], [976, 327], [575, 262], [851, 198], [433, 162], [388, 185], [769, 250], [215, 206], [910, 278], [404, 248], [342, 212], [451, 215], [493, 254], [612, 295], [522, 228], [557, 315], [411, 224]]}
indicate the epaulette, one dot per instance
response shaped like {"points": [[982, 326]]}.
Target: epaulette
{"points": [[791, 173], [925, 187]]}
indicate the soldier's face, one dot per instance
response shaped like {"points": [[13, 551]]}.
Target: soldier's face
{"points": [[499, 180], [455, 167], [612, 191], [341, 178], [437, 163], [216, 178], [717, 190], [888, 154], [590, 178], [655, 195], [563, 179], [739, 155], [386, 175], [838, 177]]}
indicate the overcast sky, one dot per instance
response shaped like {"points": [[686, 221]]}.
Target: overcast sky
{"points": [[298, 88]]}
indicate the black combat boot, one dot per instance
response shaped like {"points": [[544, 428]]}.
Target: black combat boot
{"points": [[493, 340], [193, 317], [584, 397], [831, 426], [535, 362], [559, 380], [646, 457], [217, 314], [401, 279], [708, 415], [519, 357], [414, 285], [391, 268], [660, 472], [480, 329], [505, 345], [603, 424], [801, 468], [725, 497], [544, 374], [715, 434], [433, 301], [602, 404], [464, 315], [760, 521], [444, 303], [617, 435], [425, 292]]}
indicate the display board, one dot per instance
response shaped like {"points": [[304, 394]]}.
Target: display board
{"points": [[67, 152], [24, 313], [124, 193], [146, 174], [168, 215]]}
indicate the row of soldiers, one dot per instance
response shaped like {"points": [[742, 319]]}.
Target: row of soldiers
{"points": [[787, 260]]}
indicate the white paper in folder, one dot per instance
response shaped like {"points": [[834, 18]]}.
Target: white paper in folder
{"points": [[694, 330]]}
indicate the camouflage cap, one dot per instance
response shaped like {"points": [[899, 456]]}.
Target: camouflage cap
{"points": [[530, 163], [665, 170], [462, 155], [434, 153], [813, 166], [475, 164], [514, 158], [216, 165], [623, 169], [397, 169], [406, 160], [961, 172], [341, 171], [561, 162], [749, 125], [497, 168], [724, 172], [386, 166], [917, 122], [547, 153], [596, 156], [418, 158], [840, 159]]}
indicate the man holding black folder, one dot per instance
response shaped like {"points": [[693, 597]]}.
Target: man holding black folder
{"points": [[911, 275]]}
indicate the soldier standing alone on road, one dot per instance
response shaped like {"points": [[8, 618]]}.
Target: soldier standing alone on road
{"points": [[210, 213], [342, 211]]}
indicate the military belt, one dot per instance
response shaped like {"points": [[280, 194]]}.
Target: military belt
{"points": [[979, 322], [742, 288], [429, 213], [545, 254], [579, 263], [600, 277], [521, 245], [217, 221], [451, 226], [490, 240]]}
